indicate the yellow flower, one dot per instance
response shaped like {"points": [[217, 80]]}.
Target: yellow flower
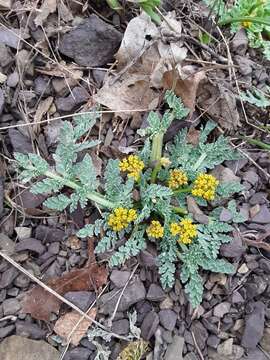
{"points": [[165, 162], [177, 178], [155, 229], [132, 165], [246, 24], [185, 229], [121, 217], [205, 186]]}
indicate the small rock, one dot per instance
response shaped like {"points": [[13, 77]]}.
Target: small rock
{"points": [[136, 121], [19, 142], [22, 281], [245, 65], [23, 232], [233, 249], [6, 244], [31, 244], [265, 341], [149, 325], [78, 97], [175, 349], [48, 235], [167, 303], [11, 306], [6, 57], [221, 309], [2, 101], [254, 210], [23, 62], [7, 277], [82, 299], [237, 298], [155, 293], [168, 319], [265, 265], [42, 86], [225, 348], [54, 248], [190, 356], [240, 42], [92, 43], [259, 198], [13, 79], [251, 176], [243, 269], [256, 354], [213, 341], [254, 326], [120, 278], [121, 327], [10, 38], [263, 216], [29, 200], [133, 293], [17, 348], [29, 330], [200, 334], [225, 215], [256, 286], [5, 331]]}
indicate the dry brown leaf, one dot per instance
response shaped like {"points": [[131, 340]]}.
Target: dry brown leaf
{"points": [[143, 58], [219, 103], [66, 323], [40, 303], [62, 70], [48, 7], [64, 12], [184, 85], [42, 109]]}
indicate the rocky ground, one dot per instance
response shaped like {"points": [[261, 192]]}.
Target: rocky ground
{"points": [[54, 58]]}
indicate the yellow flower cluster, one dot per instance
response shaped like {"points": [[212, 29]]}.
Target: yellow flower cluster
{"points": [[205, 186], [132, 165], [155, 229], [185, 229], [121, 217], [177, 178]]}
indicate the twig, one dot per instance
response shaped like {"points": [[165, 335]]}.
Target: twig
{"points": [[197, 347]]}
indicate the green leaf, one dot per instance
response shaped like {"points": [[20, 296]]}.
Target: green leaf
{"points": [[59, 202], [175, 104], [90, 230], [236, 215], [229, 188], [106, 243], [217, 265], [84, 123], [87, 173], [194, 289], [257, 97], [47, 185]]}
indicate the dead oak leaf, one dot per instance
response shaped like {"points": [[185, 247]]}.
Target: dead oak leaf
{"points": [[40, 303], [72, 326]]}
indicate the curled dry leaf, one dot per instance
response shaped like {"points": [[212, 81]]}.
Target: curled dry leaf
{"points": [[143, 58], [40, 303], [42, 109], [219, 103], [72, 326], [48, 7]]}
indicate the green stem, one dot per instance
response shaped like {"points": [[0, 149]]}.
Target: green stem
{"points": [[258, 143], [180, 211], [182, 190], [199, 161], [155, 172], [157, 143], [114, 4], [255, 20], [93, 195]]}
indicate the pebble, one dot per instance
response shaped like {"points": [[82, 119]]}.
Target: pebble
{"points": [[243, 269], [13, 79], [155, 293], [47, 234], [11, 306], [263, 215], [254, 326], [7, 277], [54, 248], [82, 299], [149, 325], [31, 244], [226, 347], [221, 309], [175, 349], [119, 278], [5, 331], [121, 327], [200, 334], [251, 176], [168, 319], [13, 292], [29, 330], [167, 303], [213, 341], [258, 198], [240, 42], [78, 97], [23, 232], [6, 244]]}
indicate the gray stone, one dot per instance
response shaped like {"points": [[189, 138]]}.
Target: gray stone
{"points": [[245, 65], [6, 244], [167, 319], [155, 293], [31, 244], [221, 309], [240, 42], [11, 306], [200, 333], [265, 265], [258, 198], [5, 56], [92, 43], [121, 327], [13, 292], [13, 79], [18, 348], [190, 356], [78, 353], [29, 200], [7, 277], [265, 341], [254, 326], [233, 249], [255, 355], [225, 215], [226, 347], [149, 325], [82, 299], [213, 341], [175, 349], [263, 216], [251, 176], [237, 298], [19, 142], [47, 234], [30, 330], [133, 293], [120, 278], [78, 97], [54, 248], [5, 331]]}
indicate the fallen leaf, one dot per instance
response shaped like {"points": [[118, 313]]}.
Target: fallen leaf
{"points": [[219, 103], [40, 303], [143, 58], [48, 7], [66, 323], [185, 84], [62, 70], [42, 109]]}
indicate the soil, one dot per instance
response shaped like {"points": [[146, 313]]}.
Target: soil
{"points": [[54, 59]]}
